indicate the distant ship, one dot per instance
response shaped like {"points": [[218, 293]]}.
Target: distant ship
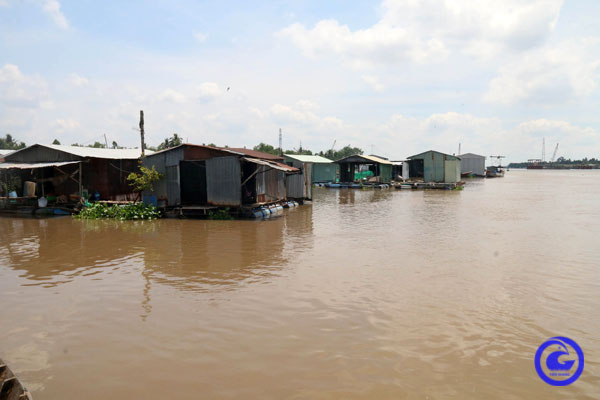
{"points": [[494, 171]]}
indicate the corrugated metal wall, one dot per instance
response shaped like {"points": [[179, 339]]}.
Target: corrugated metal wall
{"points": [[476, 165], [167, 163], [433, 164], [173, 190], [309, 172], [274, 184], [160, 187], [299, 186], [295, 187], [223, 181], [451, 171]]}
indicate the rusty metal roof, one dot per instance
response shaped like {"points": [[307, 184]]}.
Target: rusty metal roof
{"points": [[254, 153], [272, 164]]}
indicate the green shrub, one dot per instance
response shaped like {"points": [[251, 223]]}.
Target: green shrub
{"points": [[133, 211], [220, 214]]}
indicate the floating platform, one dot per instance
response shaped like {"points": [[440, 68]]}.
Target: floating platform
{"points": [[354, 185], [429, 185], [268, 210]]}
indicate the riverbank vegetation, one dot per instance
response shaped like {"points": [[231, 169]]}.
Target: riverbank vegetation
{"points": [[560, 162]]}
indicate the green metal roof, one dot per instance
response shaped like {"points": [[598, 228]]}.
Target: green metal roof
{"points": [[421, 155], [308, 159]]}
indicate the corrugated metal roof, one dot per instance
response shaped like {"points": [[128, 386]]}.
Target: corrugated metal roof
{"points": [[309, 159], [7, 165], [116, 154], [430, 151], [254, 153], [4, 152], [272, 164], [368, 158], [225, 149], [471, 155]]}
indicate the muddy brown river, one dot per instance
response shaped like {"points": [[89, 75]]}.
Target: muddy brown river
{"points": [[362, 295]]}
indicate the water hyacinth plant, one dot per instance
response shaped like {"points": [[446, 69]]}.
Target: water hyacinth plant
{"points": [[132, 211]]}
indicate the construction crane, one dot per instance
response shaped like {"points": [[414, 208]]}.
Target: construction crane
{"points": [[333, 145], [554, 154]]}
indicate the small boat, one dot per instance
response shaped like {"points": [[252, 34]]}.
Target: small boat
{"points": [[10, 386], [468, 174], [494, 172]]}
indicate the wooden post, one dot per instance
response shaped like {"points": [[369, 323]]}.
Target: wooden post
{"points": [[80, 183], [142, 131]]}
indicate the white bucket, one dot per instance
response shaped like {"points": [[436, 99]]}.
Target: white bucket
{"points": [[42, 202]]}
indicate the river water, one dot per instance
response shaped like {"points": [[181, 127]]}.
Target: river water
{"points": [[361, 295]]}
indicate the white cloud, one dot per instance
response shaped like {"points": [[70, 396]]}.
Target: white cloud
{"points": [[209, 91], [172, 96], [63, 125], [427, 31], [548, 75], [78, 80], [201, 37], [52, 8], [373, 82], [402, 136], [20, 90]]}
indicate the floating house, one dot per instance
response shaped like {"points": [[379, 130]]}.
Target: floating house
{"points": [[315, 169], [365, 168], [202, 177], [472, 164], [434, 166], [63, 174]]}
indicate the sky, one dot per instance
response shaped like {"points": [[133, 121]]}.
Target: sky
{"points": [[394, 78]]}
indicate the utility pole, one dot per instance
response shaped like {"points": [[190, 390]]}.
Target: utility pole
{"points": [[142, 132], [458, 149], [105, 142]]}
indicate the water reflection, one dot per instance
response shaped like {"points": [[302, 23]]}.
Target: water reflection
{"points": [[186, 254]]}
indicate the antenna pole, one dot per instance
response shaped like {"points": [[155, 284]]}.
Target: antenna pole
{"points": [[543, 149], [280, 143]]}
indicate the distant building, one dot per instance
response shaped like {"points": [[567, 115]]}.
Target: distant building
{"points": [[362, 167], [196, 175], [434, 166], [472, 163]]}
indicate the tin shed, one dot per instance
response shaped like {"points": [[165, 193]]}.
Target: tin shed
{"points": [[473, 163], [434, 166], [378, 168]]}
